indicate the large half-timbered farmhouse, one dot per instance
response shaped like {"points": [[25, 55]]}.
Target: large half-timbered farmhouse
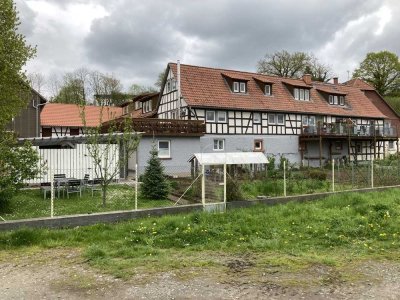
{"points": [[306, 121]]}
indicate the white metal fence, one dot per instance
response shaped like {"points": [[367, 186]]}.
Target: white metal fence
{"points": [[74, 163]]}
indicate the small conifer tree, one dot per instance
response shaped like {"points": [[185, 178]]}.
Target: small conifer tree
{"points": [[155, 184]]}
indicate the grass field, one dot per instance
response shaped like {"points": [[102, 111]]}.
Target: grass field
{"points": [[30, 203], [334, 231]]}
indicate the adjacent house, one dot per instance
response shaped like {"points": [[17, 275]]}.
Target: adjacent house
{"points": [[27, 123], [58, 119], [308, 122]]}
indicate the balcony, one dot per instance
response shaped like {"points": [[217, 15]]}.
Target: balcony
{"points": [[162, 127], [335, 130]]}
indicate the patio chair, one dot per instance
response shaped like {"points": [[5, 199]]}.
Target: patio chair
{"points": [[85, 181], [59, 183], [74, 186], [45, 187], [94, 185]]}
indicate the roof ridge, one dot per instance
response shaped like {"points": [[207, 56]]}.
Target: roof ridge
{"points": [[231, 70]]}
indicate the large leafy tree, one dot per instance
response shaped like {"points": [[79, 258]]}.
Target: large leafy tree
{"points": [[16, 163], [14, 53], [382, 70], [293, 65]]}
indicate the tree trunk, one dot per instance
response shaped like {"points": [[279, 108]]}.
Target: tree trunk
{"points": [[104, 195]]}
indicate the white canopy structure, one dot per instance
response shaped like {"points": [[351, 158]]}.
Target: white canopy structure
{"points": [[231, 158], [225, 158]]}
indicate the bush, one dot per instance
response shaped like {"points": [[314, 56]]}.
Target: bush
{"points": [[317, 174]]}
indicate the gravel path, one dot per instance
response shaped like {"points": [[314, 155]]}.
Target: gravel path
{"points": [[62, 274]]}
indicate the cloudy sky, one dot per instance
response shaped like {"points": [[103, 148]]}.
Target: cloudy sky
{"points": [[135, 39]]}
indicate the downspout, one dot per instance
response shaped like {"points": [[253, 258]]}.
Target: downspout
{"points": [[37, 115]]}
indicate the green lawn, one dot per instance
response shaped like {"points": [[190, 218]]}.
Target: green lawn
{"points": [[30, 203], [335, 231]]}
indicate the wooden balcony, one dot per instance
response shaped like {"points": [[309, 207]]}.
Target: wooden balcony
{"points": [[162, 127], [342, 130]]}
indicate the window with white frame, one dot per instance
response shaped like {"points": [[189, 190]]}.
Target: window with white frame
{"points": [[302, 94], [280, 119], [256, 118], [267, 90], [164, 149], [219, 144], [243, 87], [391, 145], [236, 87], [336, 100], [210, 116], [239, 87], [276, 119], [147, 106], [125, 109], [258, 145], [138, 105], [221, 117], [308, 120]]}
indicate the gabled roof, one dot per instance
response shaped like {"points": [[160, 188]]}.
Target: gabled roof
{"points": [[59, 114], [207, 87], [359, 83]]}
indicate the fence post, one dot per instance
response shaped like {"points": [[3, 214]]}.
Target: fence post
{"points": [[225, 184], [136, 185], [372, 172], [203, 186], [333, 174], [284, 177], [51, 194]]}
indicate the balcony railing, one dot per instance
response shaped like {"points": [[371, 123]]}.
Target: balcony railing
{"points": [[352, 130], [164, 127]]}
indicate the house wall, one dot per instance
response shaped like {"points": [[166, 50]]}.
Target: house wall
{"points": [[273, 145], [181, 149], [25, 124], [60, 131]]}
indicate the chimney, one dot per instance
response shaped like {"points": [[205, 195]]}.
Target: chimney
{"points": [[335, 80], [307, 78]]}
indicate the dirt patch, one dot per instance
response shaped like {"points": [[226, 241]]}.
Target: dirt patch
{"points": [[64, 274]]}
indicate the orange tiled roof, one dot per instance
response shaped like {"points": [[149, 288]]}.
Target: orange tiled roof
{"points": [[59, 114], [206, 87], [359, 83]]}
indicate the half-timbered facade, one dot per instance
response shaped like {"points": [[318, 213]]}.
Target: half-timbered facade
{"points": [[59, 119], [300, 119]]}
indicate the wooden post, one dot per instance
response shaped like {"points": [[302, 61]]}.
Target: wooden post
{"points": [[203, 186], [372, 173], [225, 184], [51, 194], [284, 178], [333, 175], [320, 151], [136, 186]]}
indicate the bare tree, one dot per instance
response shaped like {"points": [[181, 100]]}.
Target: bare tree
{"points": [[294, 65], [109, 147], [284, 64], [37, 81]]}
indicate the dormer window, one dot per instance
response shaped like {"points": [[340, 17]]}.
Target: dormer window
{"points": [[239, 87], [336, 100], [236, 87], [302, 94], [243, 87], [267, 90]]}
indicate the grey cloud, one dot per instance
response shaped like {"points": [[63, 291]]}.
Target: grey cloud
{"points": [[27, 17]]}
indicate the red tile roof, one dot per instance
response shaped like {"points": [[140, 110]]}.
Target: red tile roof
{"points": [[59, 114], [359, 83], [206, 87]]}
